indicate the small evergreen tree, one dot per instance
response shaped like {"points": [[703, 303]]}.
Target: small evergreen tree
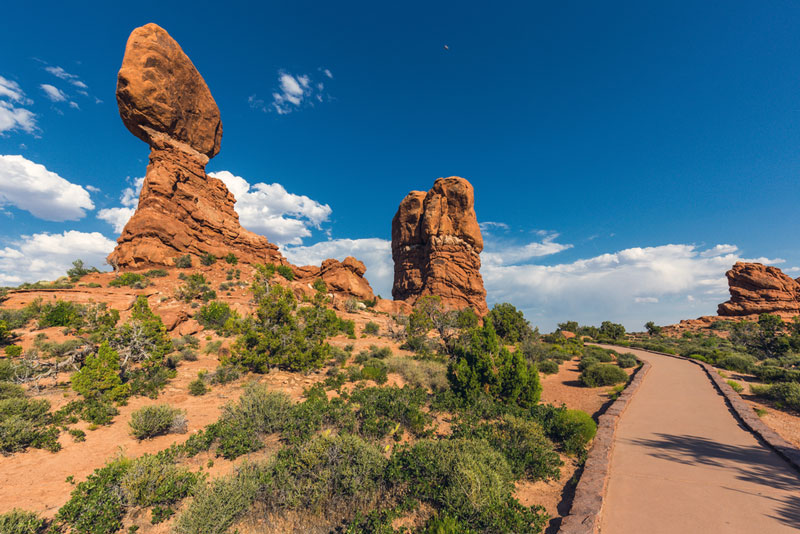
{"points": [[100, 376]]}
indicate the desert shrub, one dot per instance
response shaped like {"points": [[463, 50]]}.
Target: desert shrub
{"points": [[509, 323], [320, 285], [156, 273], [627, 360], [127, 279], [99, 377], [208, 259], [609, 330], [386, 410], [224, 374], [374, 369], [21, 522], [548, 367], [602, 375], [445, 524], [742, 363], [217, 505], [79, 270], [155, 420], [26, 423], [285, 271], [258, 412], [183, 262], [218, 316], [771, 373], [98, 412], [151, 480], [468, 480], [481, 365], [10, 391], [273, 337], [60, 313], [13, 351], [195, 287], [784, 394], [735, 386], [419, 373], [371, 328], [231, 259], [326, 473], [197, 387], [586, 362], [96, 506], [573, 429]]}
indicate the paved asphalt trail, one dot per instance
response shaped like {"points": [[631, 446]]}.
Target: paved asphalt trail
{"points": [[681, 463]]}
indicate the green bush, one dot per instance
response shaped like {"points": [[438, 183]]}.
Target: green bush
{"points": [[79, 270], [387, 410], [771, 373], [586, 362], [602, 375], [328, 473], [420, 373], [183, 262], [97, 506], [156, 273], [735, 386], [99, 377], [127, 279], [320, 286], [231, 258], [548, 367], [218, 316], [208, 259], [741, 363], [509, 323], [10, 391], [21, 522], [285, 271], [371, 328], [784, 394], [529, 453], [627, 360], [13, 351], [195, 287], [216, 506], [151, 480], [467, 480], [155, 420], [61, 313], [26, 423], [197, 387], [375, 370], [574, 429]]}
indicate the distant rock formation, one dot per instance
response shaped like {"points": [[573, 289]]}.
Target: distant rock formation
{"points": [[164, 101], [757, 289], [436, 246], [343, 278]]}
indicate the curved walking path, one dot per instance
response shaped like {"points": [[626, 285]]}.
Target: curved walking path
{"points": [[682, 463]]}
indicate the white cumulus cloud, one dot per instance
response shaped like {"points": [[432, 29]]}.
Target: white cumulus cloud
{"points": [[53, 93], [270, 210], [119, 216], [47, 256], [294, 91], [31, 187], [12, 115], [498, 252]]}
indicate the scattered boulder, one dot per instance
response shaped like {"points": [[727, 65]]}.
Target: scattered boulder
{"points": [[757, 289], [436, 246], [164, 101], [344, 278]]}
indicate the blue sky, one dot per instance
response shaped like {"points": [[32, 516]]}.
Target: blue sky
{"points": [[627, 153]]}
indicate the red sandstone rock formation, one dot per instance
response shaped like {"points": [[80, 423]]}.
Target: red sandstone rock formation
{"points": [[343, 278], [757, 289], [436, 246], [164, 101]]}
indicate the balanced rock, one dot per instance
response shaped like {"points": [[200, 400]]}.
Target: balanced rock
{"points": [[164, 101], [757, 289], [436, 246]]}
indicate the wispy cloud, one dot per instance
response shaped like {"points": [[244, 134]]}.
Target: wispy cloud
{"points": [[12, 115], [60, 73], [293, 92], [53, 93], [119, 216]]}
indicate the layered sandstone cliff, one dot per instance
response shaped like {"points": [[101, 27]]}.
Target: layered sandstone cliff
{"points": [[436, 246], [757, 289]]}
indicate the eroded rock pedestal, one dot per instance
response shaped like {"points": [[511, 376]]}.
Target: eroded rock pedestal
{"points": [[436, 246], [164, 101], [757, 289]]}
